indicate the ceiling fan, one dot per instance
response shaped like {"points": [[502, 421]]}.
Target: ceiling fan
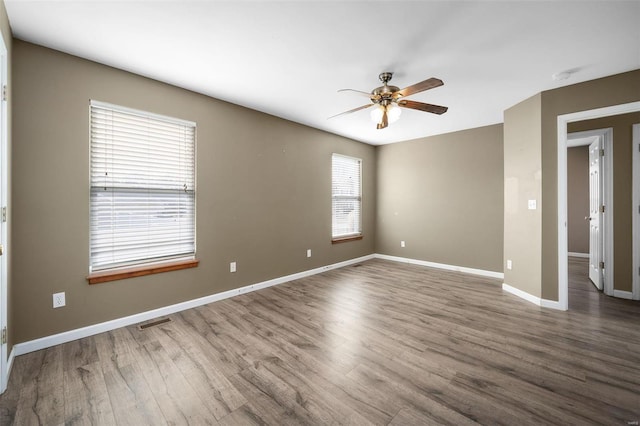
{"points": [[387, 99]]}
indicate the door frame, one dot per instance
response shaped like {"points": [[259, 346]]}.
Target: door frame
{"points": [[4, 188], [563, 120], [635, 211], [606, 225]]}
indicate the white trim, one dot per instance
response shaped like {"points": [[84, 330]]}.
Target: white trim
{"points": [[635, 211], [12, 356], [544, 303], [79, 333], [551, 304], [574, 254], [357, 198], [607, 187], [68, 336], [577, 139], [139, 112], [521, 294], [623, 294], [4, 190], [462, 269], [606, 224], [563, 120]]}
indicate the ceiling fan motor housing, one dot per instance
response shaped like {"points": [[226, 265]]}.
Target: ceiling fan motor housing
{"points": [[383, 95]]}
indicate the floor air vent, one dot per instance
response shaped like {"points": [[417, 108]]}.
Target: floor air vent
{"points": [[153, 323]]}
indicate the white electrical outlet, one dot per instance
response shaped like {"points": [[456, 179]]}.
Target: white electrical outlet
{"points": [[232, 267], [59, 300], [531, 204], [401, 243], [509, 264], [308, 252]]}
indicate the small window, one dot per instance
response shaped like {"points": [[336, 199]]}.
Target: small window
{"points": [[346, 194], [142, 188]]}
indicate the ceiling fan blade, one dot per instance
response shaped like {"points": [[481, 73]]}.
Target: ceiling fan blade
{"points": [[420, 106], [352, 110], [384, 122], [359, 92], [419, 87]]}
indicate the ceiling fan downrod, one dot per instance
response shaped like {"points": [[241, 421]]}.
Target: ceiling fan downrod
{"points": [[385, 77]]}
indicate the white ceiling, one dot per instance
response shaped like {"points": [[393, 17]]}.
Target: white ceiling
{"points": [[289, 59]]}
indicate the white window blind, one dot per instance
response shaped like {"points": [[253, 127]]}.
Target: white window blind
{"points": [[142, 187], [346, 196]]}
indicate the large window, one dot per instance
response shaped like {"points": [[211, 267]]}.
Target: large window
{"points": [[142, 188], [346, 190]]}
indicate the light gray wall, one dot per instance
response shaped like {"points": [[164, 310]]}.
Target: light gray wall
{"points": [[263, 194], [578, 199], [443, 196]]}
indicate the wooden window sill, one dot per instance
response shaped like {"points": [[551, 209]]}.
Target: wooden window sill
{"points": [[345, 239], [139, 271]]}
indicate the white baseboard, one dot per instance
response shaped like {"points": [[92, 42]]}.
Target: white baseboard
{"points": [[574, 254], [79, 333], [463, 269], [522, 294], [623, 294], [3, 386], [552, 304]]}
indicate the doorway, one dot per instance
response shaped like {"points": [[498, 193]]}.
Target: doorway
{"points": [[599, 189], [562, 122]]}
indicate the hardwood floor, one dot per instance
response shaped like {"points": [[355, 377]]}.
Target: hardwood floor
{"points": [[378, 343]]}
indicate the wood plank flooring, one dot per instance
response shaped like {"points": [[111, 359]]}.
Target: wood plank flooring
{"points": [[379, 343]]}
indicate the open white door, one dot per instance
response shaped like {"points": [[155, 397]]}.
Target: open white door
{"points": [[595, 213]]}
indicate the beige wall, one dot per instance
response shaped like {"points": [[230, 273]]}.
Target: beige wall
{"points": [[8, 42], [442, 195], [622, 191], [578, 199], [522, 175], [263, 194], [614, 90], [537, 118]]}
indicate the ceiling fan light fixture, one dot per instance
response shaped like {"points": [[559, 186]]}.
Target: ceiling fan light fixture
{"points": [[393, 111], [376, 114]]}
